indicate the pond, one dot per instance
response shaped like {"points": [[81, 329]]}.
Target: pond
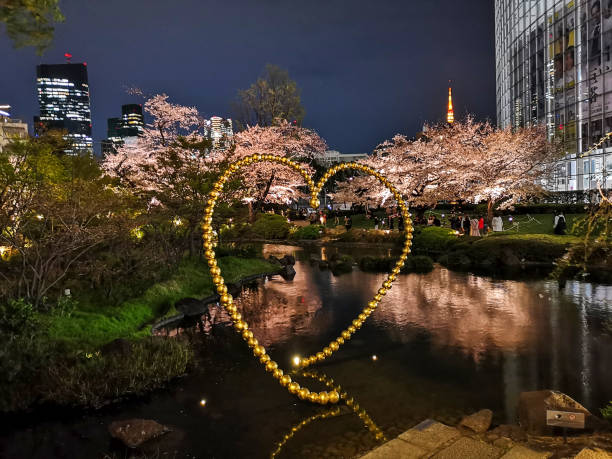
{"points": [[440, 345]]}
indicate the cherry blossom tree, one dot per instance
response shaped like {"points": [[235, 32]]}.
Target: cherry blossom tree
{"points": [[269, 182], [468, 160], [172, 165], [512, 165]]}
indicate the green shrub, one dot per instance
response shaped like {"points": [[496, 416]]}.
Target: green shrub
{"points": [[234, 231], [238, 250], [271, 226], [372, 236], [306, 232], [341, 264], [420, 264], [433, 239], [413, 263], [607, 412], [377, 264]]}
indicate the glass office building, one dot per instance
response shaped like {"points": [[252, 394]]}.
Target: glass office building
{"points": [[554, 66], [63, 96]]}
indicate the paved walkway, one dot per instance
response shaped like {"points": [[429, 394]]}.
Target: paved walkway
{"points": [[431, 439]]}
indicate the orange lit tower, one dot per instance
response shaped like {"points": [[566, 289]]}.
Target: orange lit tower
{"points": [[450, 116]]}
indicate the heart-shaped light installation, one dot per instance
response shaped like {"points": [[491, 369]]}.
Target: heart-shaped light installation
{"points": [[227, 301]]}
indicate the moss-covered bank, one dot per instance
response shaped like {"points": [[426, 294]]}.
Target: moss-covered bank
{"points": [[89, 356]]}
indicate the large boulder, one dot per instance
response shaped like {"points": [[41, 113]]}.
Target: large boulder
{"points": [[532, 408], [134, 432], [478, 422]]}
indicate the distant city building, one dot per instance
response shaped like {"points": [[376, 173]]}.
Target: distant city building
{"points": [[123, 130], [331, 157], [450, 115], [10, 128], [63, 96], [220, 131], [133, 120]]}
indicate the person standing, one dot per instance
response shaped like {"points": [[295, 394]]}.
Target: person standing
{"points": [[481, 226], [560, 224], [375, 222], [498, 224], [474, 227], [348, 222], [466, 225]]}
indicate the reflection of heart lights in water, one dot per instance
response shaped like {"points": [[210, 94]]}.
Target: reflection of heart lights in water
{"points": [[350, 402], [227, 301]]}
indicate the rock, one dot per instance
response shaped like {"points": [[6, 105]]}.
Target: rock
{"points": [[273, 259], [478, 422], [190, 306], [117, 346], [532, 408], [589, 453], [511, 431], [510, 259], [134, 432], [287, 272], [287, 260]]}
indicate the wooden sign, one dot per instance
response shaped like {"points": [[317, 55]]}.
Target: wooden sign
{"points": [[571, 419]]}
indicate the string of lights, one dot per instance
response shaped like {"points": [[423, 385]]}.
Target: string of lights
{"points": [[350, 402], [227, 301]]}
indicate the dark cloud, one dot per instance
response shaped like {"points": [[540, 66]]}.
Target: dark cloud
{"points": [[367, 69]]}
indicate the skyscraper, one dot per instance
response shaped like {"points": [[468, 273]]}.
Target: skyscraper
{"points": [[133, 120], [63, 96], [124, 129], [554, 66], [220, 131]]}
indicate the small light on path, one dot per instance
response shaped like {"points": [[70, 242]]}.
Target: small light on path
{"points": [[374, 357], [203, 402]]}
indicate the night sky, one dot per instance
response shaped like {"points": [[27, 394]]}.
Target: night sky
{"points": [[368, 69]]}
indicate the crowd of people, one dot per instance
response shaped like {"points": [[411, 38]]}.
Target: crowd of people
{"points": [[464, 224]]}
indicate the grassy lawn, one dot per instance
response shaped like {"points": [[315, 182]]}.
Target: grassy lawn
{"points": [[88, 328], [520, 224]]}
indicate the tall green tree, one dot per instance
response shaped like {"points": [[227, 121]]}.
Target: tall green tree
{"points": [[272, 98], [30, 22]]}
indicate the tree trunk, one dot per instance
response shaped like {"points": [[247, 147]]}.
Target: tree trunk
{"points": [[490, 204], [251, 213]]}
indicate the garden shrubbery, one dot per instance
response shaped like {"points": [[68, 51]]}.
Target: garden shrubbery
{"points": [[270, 226], [413, 263], [308, 232], [362, 235]]}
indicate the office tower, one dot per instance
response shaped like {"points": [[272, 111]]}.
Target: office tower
{"points": [[63, 96], [554, 66]]}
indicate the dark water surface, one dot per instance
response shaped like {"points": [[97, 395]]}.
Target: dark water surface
{"points": [[445, 344]]}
